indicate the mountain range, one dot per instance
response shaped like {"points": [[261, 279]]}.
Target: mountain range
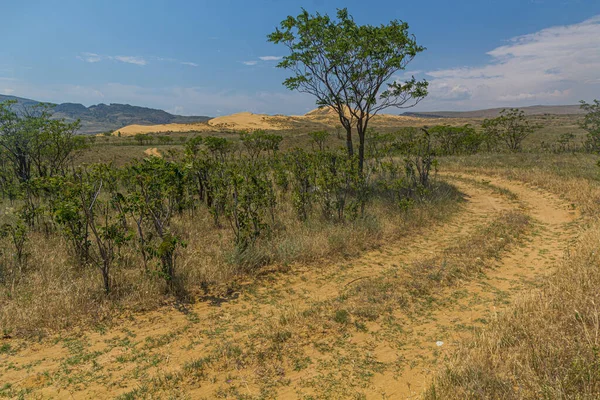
{"points": [[109, 117], [494, 112], [112, 117]]}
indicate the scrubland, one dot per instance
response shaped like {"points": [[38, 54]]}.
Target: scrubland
{"points": [[480, 282]]}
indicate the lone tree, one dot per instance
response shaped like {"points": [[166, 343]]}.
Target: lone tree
{"points": [[511, 127], [350, 67]]}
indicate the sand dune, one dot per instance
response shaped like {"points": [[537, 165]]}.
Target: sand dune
{"points": [[131, 130], [250, 121], [329, 116], [325, 116]]}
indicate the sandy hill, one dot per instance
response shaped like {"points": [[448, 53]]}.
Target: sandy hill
{"points": [[250, 121], [131, 130], [244, 121], [320, 118], [329, 116]]}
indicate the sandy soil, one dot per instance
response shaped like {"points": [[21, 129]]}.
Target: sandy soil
{"points": [[391, 359], [153, 152]]}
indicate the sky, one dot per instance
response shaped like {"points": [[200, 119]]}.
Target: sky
{"points": [[212, 57]]}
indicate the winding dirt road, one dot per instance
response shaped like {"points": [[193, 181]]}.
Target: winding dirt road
{"points": [[211, 351]]}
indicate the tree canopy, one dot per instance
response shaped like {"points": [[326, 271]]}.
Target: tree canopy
{"points": [[349, 67]]}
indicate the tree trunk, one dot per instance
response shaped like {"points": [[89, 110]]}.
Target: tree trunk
{"points": [[361, 151], [349, 144], [106, 277], [362, 129]]}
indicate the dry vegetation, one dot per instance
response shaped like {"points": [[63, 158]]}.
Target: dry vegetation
{"points": [[546, 345], [55, 293], [345, 309]]}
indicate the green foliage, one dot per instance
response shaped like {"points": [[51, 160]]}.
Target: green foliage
{"points": [[340, 189], [108, 216], [302, 171], [165, 140], [454, 140], [330, 180], [259, 141], [156, 190], [34, 144], [69, 215], [142, 139], [220, 148], [419, 156], [349, 67], [511, 127], [92, 221], [192, 146], [250, 201], [380, 146], [319, 138], [591, 123]]}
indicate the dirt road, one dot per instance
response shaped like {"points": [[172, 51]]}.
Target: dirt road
{"points": [[289, 335]]}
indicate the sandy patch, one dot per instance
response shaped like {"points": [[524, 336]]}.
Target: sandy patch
{"points": [[153, 152]]}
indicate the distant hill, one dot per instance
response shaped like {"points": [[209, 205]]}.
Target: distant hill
{"points": [[25, 102], [103, 117], [494, 112]]}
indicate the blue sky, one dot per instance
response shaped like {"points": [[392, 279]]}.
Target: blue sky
{"points": [[212, 57]]}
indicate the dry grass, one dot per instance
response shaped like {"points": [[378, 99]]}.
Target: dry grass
{"points": [[420, 283], [309, 341], [547, 344], [53, 293], [574, 177]]}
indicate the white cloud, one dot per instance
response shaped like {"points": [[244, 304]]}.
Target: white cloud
{"points": [[94, 58], [270, 58], [7, 91], [191, 64], [131, 60], [557, 65], [249, 62], [90, 57]]}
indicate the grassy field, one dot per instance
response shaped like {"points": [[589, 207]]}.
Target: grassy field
{"points": [[122, 149], [486, 288]]}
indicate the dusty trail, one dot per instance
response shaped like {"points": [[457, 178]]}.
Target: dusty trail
{"points": [[480, 299], [387, 359]]}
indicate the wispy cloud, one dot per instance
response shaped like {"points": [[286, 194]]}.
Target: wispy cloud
{"points": [[131, 60], [90, 57], [94, 58], [7, 91], [136, 60], [262, 58], [560, 64]]}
